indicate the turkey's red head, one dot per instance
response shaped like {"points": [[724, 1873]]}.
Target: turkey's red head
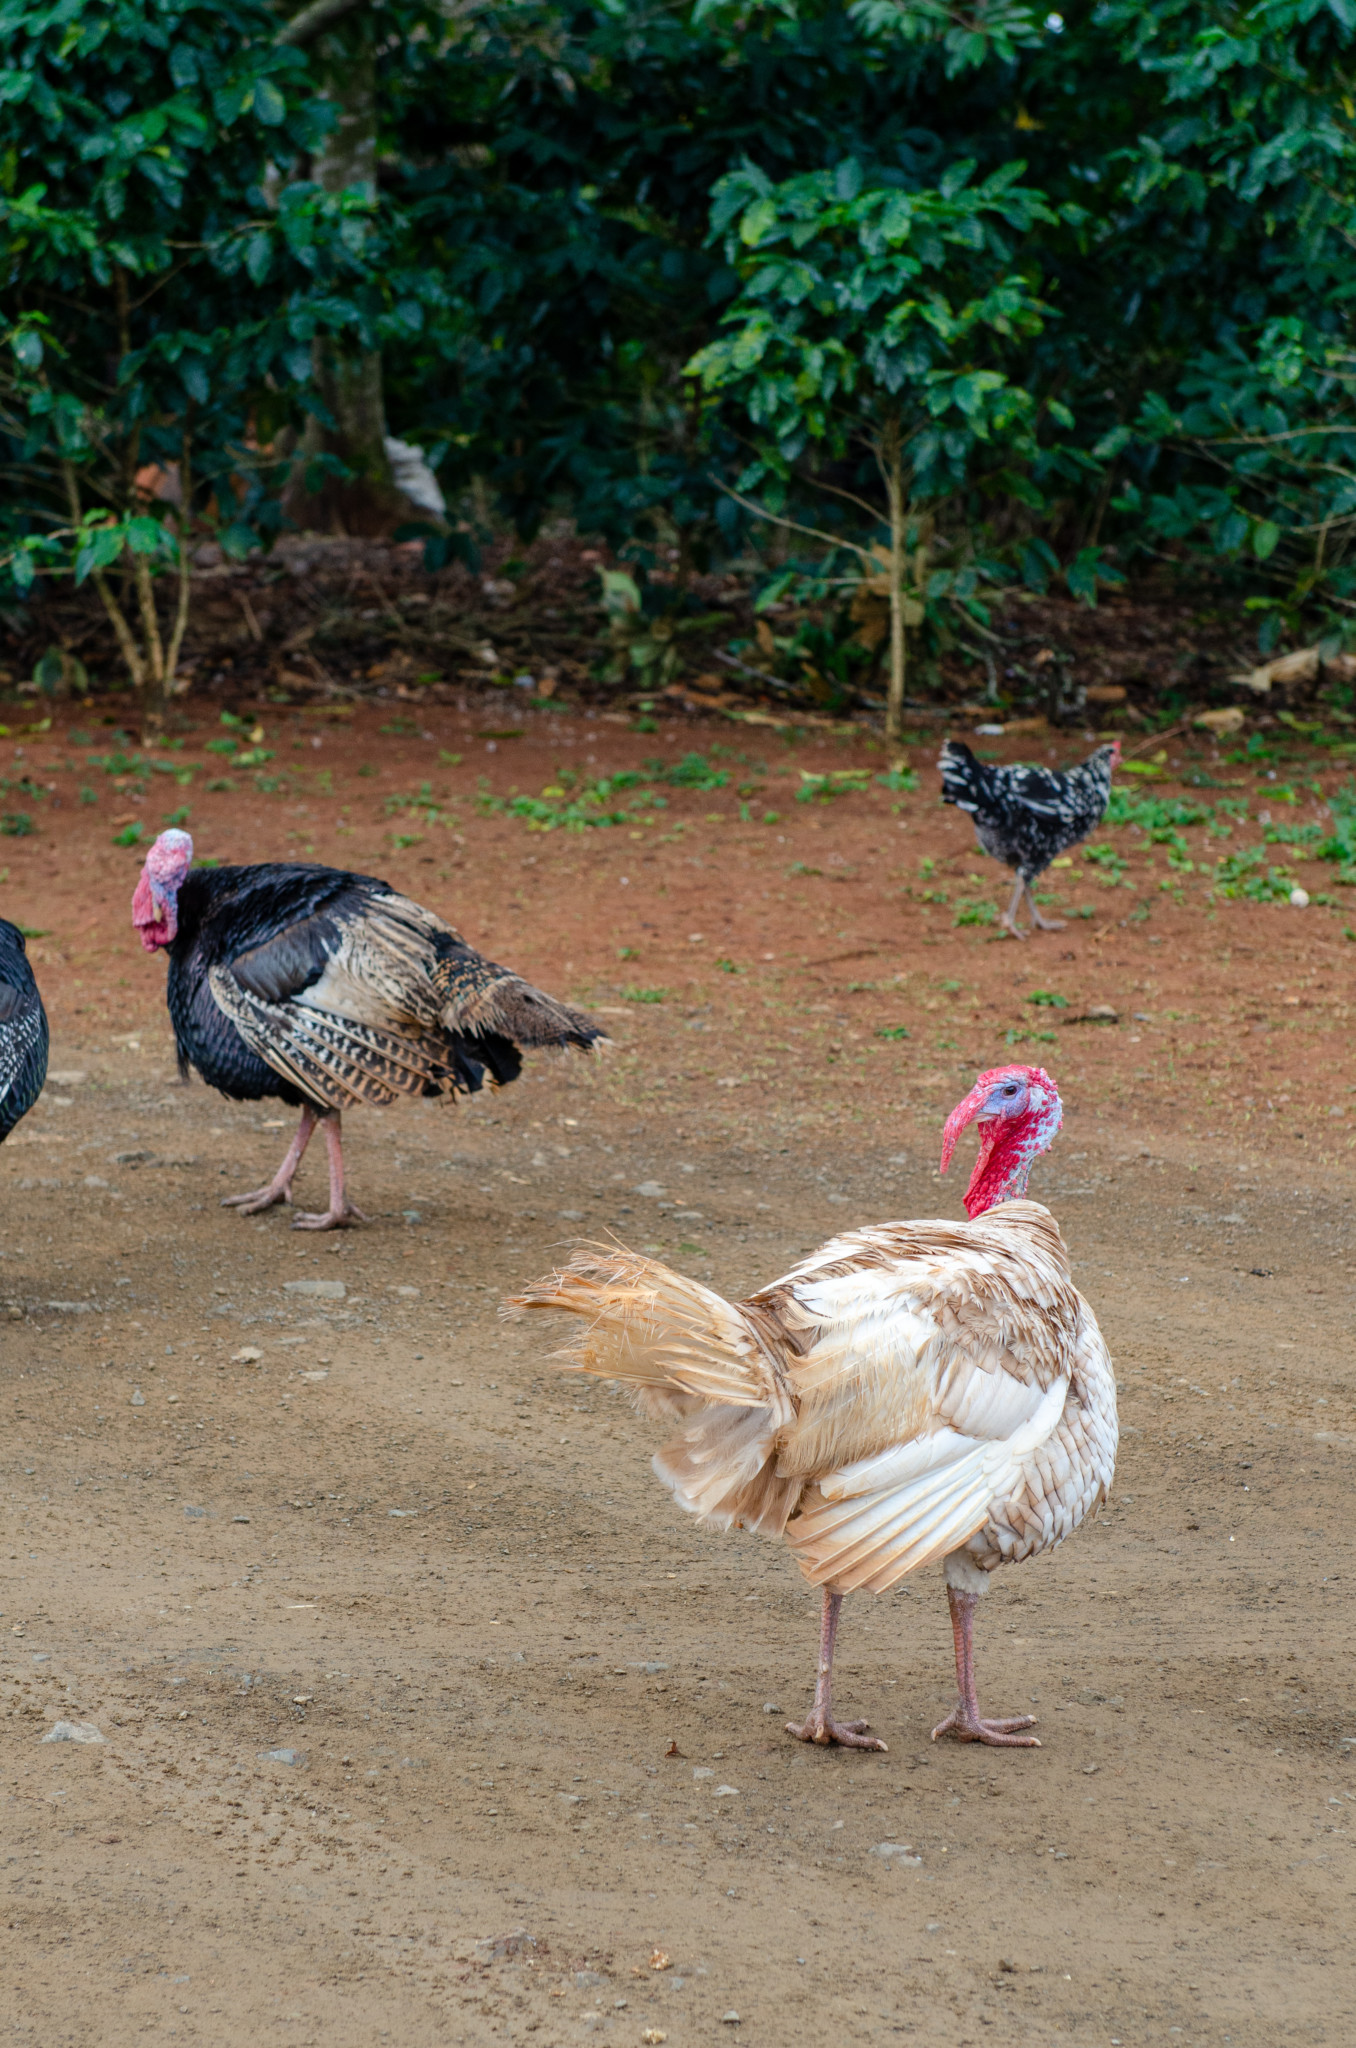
{"points": [[1018, 1112], [155, 905]]}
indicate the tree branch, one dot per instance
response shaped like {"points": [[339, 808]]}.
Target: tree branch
{"points": [[313, 20], [815, 533]]}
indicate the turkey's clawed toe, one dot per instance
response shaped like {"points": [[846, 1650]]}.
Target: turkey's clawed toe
{"points": [[262, 1198], [332, 1219], [966, 1727], [823, 1729]]}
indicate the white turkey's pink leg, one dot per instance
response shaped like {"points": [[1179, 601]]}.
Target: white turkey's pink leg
{"points": [[341, 1212], [965, 1721], [821, 1726], [279, 1189]]}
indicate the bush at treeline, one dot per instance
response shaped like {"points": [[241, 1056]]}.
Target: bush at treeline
{"points": [[1083, 280]]}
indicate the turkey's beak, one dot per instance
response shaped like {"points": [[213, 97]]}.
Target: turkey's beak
{"points": [[965, 1113]]}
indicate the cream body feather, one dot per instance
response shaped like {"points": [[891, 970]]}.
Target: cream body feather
{"points": [[907, 1392]]}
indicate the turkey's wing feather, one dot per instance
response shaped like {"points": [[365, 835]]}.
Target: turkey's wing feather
{"points": [[334, 1059], [871, 1524]]}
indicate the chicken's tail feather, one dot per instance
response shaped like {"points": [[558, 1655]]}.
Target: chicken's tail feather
{"points": [[657, 1331]]}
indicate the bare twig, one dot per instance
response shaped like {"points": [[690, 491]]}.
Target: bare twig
{"points": [[312, 20]]}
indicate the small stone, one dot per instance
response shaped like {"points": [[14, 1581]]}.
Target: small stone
{"points": [[240, 1518], [584, 1980], [703, 1771], [651, 1189], [195, 1514], [653, 2036], [896, 1852], [138, 1398], [1091, 1770], [1300, 898], [515, 1943], [409, 1293], [729, 2019], [322, 1290], [771, 1707], [660, 1959], [248, 1354], [726, 1792], [284, 1756], [73, 1731], [1101, 1013]]}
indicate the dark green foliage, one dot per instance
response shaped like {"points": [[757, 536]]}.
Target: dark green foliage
{"points": [[1117, 327]]}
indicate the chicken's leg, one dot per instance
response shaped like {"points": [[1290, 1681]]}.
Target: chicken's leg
{"points": [[1043, 924], [1009, 918], [965, 1721], [279, 1189], [341, 1212], [821, 1726]]}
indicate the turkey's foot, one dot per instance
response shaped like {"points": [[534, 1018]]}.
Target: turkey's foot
{"points": [[341, 1214], [967, 1727], [332, 1219], [1011, 927], [279, 1189], [965, 1722], [823, 1729], [263, 1198]]}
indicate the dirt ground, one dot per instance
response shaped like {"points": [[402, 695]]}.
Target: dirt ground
{"points": [[518, 1774]]}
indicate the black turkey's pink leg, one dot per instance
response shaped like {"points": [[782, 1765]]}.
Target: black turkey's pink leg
{"points": [[341, 1212], [965, 1721], [821, 1726], [1043, 924], [1009, 918], [279, 1188]]}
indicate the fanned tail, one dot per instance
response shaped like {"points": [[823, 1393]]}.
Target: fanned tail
{"points": [[653, 1328], [480, 999], [689, 1354]]}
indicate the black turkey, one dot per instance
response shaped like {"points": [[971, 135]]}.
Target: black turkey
{"points": [[328, 989], [23, 1031], [1026, 816]]}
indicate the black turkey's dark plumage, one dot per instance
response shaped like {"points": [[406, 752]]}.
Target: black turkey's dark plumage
{"points": [[422, 1012], [327, 989], [23, 1031]]}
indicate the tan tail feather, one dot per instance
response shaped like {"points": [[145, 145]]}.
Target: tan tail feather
{"points": [[650, 1326]]}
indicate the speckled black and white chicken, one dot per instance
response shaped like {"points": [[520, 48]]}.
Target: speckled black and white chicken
{"points": [[1026, 817]]}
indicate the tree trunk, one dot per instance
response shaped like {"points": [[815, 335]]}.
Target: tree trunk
{"points": [[891, 462], [348, 377]]}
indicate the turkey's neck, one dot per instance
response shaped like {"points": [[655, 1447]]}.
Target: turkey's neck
{"points": [[1001, 1171]]}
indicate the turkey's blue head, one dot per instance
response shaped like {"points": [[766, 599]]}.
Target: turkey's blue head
{"points": [[1018, 1112], [155, 905]]}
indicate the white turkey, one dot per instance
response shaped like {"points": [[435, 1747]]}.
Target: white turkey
{"points": [[911, 1393]]}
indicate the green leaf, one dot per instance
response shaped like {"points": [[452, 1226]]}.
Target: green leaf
{"points": [[28, 347], [269, 104], [1265, 538]]}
